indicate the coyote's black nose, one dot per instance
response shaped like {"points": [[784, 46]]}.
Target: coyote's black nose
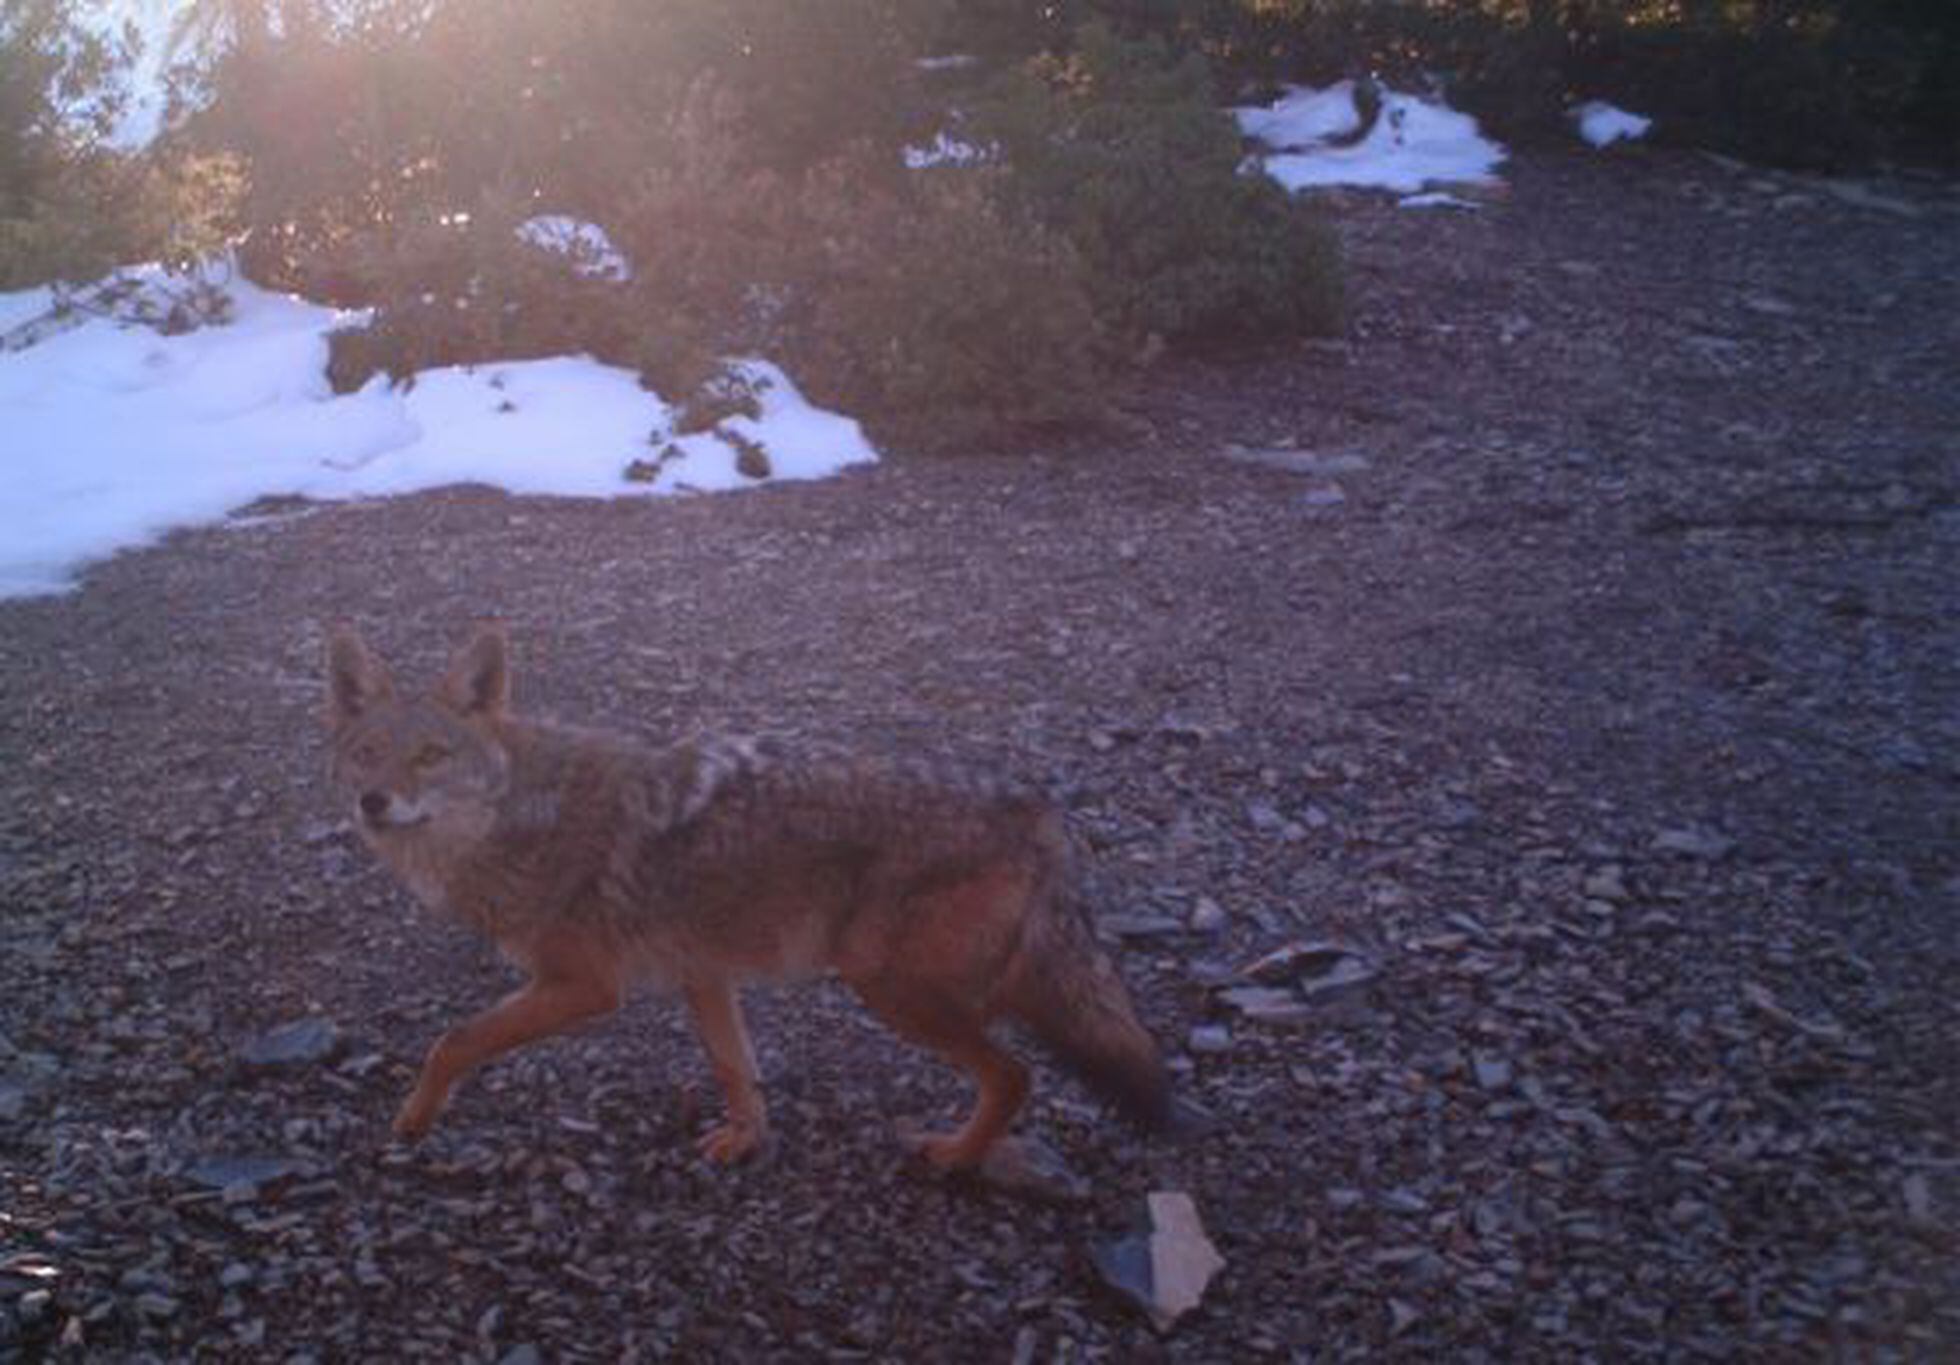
{"points": [[374, 805]]}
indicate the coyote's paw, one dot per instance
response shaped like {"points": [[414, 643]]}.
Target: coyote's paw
{"points": [[1027, 1168], [732, 1142], [416, 1116], [941, 1151]]}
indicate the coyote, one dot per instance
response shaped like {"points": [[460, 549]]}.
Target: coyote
{"points": [[942, 900]]}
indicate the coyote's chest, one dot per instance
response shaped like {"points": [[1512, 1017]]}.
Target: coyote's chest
{"points": [[452, 870], [425, 866]]}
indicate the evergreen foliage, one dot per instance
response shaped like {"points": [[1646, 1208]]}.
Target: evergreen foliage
{"points": [[746, 155], [71, 205], [747, 159], [1121, 148]]}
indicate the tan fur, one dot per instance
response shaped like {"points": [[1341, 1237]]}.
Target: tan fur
{"points": [[942, 900]]}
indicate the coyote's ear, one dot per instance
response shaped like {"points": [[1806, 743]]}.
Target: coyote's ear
{"points": [[478, 682], [356, 680]]}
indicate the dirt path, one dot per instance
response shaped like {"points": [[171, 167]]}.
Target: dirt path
{"points": [[1597, 684]]}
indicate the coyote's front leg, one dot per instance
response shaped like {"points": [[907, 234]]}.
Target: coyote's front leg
{"points": [[544, 1006], [718, 1019]]}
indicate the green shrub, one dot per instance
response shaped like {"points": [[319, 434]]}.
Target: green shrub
{"points": [[749, 170], [939, 310], [815, 79], [466, 289], [403, 111], [73, 207], [707, 231], [936, 305], [1817, 82], [1792, 94], [93, 210], [923, 303], [1123, 150], [68, 229]]}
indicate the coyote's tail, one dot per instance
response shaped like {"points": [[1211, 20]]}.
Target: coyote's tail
{"points": [[1068, 993]]}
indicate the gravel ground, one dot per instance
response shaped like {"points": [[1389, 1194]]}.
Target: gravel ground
{"points": [[1574, 647]]}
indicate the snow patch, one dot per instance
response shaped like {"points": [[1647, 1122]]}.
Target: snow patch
{"points": [[116, 433], [1314, 139], [584, 244], [946, 150], [1602, 124]]}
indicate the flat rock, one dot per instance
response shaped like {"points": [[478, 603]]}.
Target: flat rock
{"points": [[1207, 916], [1493, 1072], [1401, 1317], [1760, 999], [1860, 195], [1693, 843], [1209, 1039], [1608, 883], [230, 1172], [299, 1043], [1348, 974], [1267, 1004], [1318, 464], [1141, 926], [1292, 962], [1917, 1192], [1165, 1271]]}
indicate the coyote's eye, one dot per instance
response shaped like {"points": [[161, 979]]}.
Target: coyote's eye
{"points": [[429, 755]]}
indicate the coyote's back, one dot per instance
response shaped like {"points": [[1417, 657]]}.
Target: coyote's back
{"points": [[944, 900]]}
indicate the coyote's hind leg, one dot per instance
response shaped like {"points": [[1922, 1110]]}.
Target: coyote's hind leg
{"points": [[961, 1038]]}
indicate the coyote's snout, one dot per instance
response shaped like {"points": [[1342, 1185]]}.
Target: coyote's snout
{"points": [[943, 901]]}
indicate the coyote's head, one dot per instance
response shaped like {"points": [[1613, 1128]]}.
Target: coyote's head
{"points": [[420, 764]]}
